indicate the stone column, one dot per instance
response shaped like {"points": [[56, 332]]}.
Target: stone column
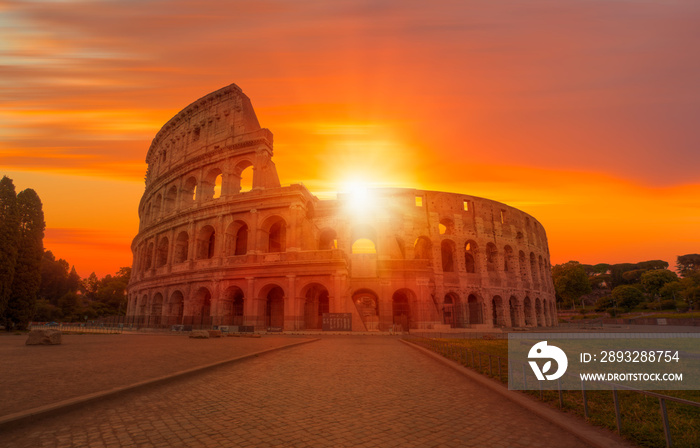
{"points": [[291, 305]]}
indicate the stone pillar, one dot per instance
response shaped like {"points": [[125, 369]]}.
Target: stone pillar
{"points": [[253, 243], [290, 305], [293, 229]]}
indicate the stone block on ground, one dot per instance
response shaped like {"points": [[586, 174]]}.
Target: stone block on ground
{"points": [[44, 337], [214, 333], [199, 334]]}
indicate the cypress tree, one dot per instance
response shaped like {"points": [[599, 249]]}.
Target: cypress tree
{"points": [[9, 233], [27, 279]]}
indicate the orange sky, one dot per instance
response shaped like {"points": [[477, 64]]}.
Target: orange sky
{"points": [[582, 113]]}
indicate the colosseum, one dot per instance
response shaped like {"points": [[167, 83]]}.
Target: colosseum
{"points": [[214, 249]]}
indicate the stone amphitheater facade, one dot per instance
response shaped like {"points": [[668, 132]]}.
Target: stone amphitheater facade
{"points": [[211, 252]]}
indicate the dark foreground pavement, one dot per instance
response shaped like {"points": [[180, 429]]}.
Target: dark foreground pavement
{"points": [[339, 392]]}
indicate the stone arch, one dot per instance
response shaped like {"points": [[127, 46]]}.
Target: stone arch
{"points": [[243, 176], [453, 311], [447, 250], [423, 248], [274, 233], [274, 297], [236, 238], [213, 184], [189, 190], [206, 242], [364, 240], [162, 252], [545, 312], [498, 311], [508, 261], [182, 245], [470, 250], [491, 257], [328, 239], [367, 301], [156, 308], [176, 307], [513, 308], [401, 308], [171, 199], [316, 303], [527, 313], [143, 306], [200, 307], [232, 306], [474, 310]]}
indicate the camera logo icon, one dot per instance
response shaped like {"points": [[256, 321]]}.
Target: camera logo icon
{"points": [[543, 351]]}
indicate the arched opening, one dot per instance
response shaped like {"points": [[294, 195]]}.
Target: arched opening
{"points": [[364, 246], [366, 301], [206, 242], [470, 257], [423, 248], [328, 240], [237, 238], [211, 187], [162, 253], [201, 309], [156, 309], [274, 308], [171, 199], [497, 309], [545, 311], [315, 305], [189, 190], [491, 257], [181, 247], [454, 313], [246, 179], [233, 306], [538, 313], [527, 310], [143, 306], [475, 310], [513, 307], [401, 309], [277, 236], [175, 308], [447, 253]]}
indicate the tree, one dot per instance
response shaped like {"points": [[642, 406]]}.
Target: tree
{"points": [[54, 278], [627, 297], [9, 233], [653, 281], [686, 264], [30, 249], [570, 281]]}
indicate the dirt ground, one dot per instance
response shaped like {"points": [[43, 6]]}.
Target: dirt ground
{"points": [[33, 376]]}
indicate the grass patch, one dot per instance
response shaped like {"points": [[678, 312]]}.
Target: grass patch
{"points": [[640, 414]]}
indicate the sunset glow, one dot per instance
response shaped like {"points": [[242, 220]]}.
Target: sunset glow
{"points": [[580, 113]]}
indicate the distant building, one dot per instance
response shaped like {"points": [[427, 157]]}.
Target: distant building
{"points": [[209, 253]]}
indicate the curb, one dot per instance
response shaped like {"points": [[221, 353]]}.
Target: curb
{"points": [[594, 436], [12, 421]]}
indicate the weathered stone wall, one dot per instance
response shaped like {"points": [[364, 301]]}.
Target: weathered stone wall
{"points": [[209, 253]]}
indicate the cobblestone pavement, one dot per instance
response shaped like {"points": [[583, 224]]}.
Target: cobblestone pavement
{"points": [[339, 392]]}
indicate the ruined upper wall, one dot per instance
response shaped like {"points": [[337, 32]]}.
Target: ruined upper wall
{"points": [[224, 118]]}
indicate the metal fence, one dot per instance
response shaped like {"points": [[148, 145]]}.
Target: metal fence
{"points": [[483, 362]]}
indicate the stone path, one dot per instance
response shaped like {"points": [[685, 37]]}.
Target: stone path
{"points": [[337, 392]]}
